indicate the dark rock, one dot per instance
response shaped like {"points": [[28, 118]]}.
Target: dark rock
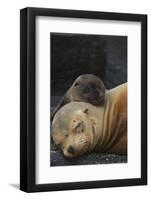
{"points": [[57, 159]]}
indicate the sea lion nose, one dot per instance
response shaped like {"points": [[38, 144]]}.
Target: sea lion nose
{"points": [[70, 149], [88, 88]]}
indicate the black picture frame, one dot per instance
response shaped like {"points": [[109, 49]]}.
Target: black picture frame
{"points": [[28, 98]]}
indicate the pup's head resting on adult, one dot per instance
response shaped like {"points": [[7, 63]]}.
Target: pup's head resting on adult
{"points": [[88, 88]]}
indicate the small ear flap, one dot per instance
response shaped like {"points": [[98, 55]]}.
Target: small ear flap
{"points": [[78, 126], [85, 110]]}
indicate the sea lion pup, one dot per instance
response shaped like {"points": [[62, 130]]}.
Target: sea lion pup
{"points": [[79, 127], [86, 88]]}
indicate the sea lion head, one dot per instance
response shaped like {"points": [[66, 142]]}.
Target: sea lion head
{"points": [[88, 88], [72, 130]]}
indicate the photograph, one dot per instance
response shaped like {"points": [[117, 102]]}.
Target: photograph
{"points": [[88, 95], [83, 99]]}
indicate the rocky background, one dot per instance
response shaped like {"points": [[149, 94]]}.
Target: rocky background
{"points": [[75, 54]]}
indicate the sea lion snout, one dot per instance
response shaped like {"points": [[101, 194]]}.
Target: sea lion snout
{"points": [[88, 88], [96, 98], [91, 91], [71, 149]]}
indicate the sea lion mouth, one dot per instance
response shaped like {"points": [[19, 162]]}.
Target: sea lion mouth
{"points": [[72, 152], [97, 101]]}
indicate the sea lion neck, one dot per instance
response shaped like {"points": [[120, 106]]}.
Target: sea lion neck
{"points": [[115, 106], [104, 123]]}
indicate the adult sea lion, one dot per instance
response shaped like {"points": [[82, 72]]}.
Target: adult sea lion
{"points": [[80, 127], [86, 88]]}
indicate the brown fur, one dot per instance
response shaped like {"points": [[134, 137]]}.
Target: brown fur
{"points": [[86, 88], [80, 127]]}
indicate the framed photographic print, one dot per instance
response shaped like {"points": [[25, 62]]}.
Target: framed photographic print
{"points": [[83, 99]]}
